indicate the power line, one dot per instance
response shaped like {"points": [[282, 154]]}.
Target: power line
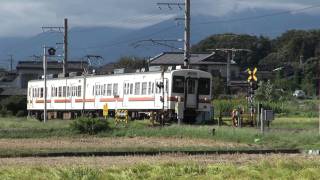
{"points": [[199, 23], [260, 16], [204, 23], [126, 41]]}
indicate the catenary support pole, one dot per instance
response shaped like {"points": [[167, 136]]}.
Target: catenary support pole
{"points": [[65, 42], [187, 34], [45, 84]]}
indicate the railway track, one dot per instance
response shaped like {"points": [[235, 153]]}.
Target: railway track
{"points": [[154, 153]]}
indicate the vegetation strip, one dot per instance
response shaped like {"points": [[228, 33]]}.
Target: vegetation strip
{"points": [[153, 153]]}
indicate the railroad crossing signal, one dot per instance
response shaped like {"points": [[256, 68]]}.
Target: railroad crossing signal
{"points": [[252, 74], [51, 51]]}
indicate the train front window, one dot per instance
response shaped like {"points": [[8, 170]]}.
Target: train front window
{"points": [[178, 84], [191, 86], [204, 86]]}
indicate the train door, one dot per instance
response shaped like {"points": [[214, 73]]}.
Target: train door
{"points": [[72, 95], [192, 87], [126, 93]]}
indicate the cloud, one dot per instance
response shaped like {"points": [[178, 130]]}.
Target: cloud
{"points": [[224, 7], [25, 17]]}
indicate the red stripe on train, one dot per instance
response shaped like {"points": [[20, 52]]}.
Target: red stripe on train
{"points": [[142, 99], [84, 100], [41, 101], [110, 99], [62, 101]]}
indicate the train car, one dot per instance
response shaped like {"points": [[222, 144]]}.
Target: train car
{"points": [[140, 93]]}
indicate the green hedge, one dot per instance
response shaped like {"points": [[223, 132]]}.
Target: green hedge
{"points": [[86, 125]]}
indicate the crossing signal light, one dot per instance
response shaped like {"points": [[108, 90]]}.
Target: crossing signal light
{"points": [[252, 74], [51, 51]]}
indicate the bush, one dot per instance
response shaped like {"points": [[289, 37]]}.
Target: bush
{"points": [[85, 125], [3, 112], [14, 104], [21, 113]]}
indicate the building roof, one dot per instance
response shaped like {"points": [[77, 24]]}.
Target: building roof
{"points": [[177, 58], [51, 65]]}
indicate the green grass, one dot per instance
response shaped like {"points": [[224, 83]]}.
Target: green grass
{"points": [[272, 169], [285, 132], [13, 127], [290, 108]]}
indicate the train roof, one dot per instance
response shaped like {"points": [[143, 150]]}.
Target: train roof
{"points": [[120, 74]]}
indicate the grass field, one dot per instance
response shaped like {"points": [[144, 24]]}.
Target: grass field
{"points": [[28, 136], [164, 167], [284, 132]]}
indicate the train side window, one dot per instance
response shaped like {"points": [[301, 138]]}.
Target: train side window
{"points": [[137, 88], [41, 92], [104, 89], [131, 89], [97, 88], [74, 91], [79, 91], [152, 88], [60, 91], [68, 91], [115, 89], [178, 84], [149, 88], [126, 88], [64, 91], [191, 86], [144, 88], [158, 90], [204, 86], [109, 89]]}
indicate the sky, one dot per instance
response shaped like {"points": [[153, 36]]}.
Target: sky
{"points": [[26, 17]]}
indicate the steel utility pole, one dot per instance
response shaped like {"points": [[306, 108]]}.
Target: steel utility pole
{"points": [[65, 41], [231, 53], [187, 28], [187, 34], [65, 30], [11, 62], [45, 83]]}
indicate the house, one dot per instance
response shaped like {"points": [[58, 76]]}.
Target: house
{"points": [[29, 70], [214, 63], [15, 83]]}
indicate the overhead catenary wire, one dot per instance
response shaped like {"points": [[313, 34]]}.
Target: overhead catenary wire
{"points": [[166, 29], [204, 23]]}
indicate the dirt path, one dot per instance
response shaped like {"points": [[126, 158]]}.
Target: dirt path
{"points": [[101, 143], [107, 162]]}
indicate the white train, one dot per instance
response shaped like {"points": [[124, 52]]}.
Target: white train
{"points": [[139, 93]]}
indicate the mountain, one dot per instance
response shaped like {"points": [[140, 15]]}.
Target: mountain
{"points": [[112, 43]]}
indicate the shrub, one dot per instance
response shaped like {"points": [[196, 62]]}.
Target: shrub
{"points": [[21, 113], [14, 104], [85, 125], [3, 112]]}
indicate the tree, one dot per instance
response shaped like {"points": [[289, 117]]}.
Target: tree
{"points": [[131, 62]]}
